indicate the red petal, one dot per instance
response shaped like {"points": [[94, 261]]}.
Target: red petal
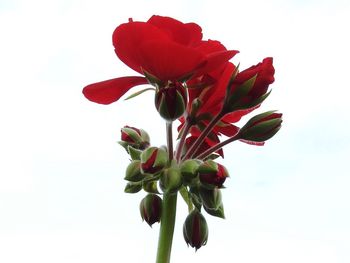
{"points": [[227, 129], [184, 34], [109, 91], [220, 87], [128, 37], [168, 60]]}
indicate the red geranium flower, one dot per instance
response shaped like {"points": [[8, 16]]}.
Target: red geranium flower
{"points": [[163, 47]]}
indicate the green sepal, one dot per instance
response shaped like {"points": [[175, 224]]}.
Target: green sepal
{"points": [[135, 154], [212, 156], [218, 212], [153, 80], [132, 188], [232, 100], [150, 187], [138, 93], [124, 145]]}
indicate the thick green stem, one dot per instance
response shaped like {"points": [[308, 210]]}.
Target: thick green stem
{"points": [[167, 220], [167, 225]]}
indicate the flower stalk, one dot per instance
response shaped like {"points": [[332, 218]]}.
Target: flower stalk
{"points": [[167, 221]]}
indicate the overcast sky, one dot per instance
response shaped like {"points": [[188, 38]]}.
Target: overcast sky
{"points": [[61, 170]]}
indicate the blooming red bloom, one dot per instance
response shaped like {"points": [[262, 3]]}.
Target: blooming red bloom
{"points": [[163, 47]]}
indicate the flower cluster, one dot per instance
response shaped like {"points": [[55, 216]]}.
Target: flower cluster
{"points": [[195, 83]]}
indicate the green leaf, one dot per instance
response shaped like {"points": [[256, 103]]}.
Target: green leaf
{"points": [[138, 93]]}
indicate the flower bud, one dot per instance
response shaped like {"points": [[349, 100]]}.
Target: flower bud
{"points": [[249, 87], [211, 198], [134, 137], [212, 174], [189, 169], [153, 160], [195, 229], [171, 101], [133, 172], [261, 127], [151, 208], [170, 180]]}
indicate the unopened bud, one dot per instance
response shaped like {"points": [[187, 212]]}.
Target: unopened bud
{"points": [[212, 174], [189, 169], [151, 208], [261, 127], [153, 160], [171, 101], [134, 137], [195, 229], [133, 172], [170, 180]]}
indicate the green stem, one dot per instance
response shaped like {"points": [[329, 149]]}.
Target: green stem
{"points": [[167, 220], [166, 227], [169, 138], [185, 131]]}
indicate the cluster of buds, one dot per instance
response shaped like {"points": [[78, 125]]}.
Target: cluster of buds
{"points": [[151, 170]]}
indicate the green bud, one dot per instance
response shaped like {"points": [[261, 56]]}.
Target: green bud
{"points": [[171, 101], [195, 229], [153, 160], [212, 174], [137, 138], [133, 172], [189, 169], [151, 209], [261, 127], [170, 180]]}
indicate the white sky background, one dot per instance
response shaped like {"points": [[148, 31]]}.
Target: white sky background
{"points": [[61, 170]]}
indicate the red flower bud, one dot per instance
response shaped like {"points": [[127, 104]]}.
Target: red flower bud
{"points": [[249, 87], [134, 137], [212, 174], [153, 160], [151, 208], [171, 101], [195, 229], [261, 127]]}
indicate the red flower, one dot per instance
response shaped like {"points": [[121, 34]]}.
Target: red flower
{"points": [[163, 47]]}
